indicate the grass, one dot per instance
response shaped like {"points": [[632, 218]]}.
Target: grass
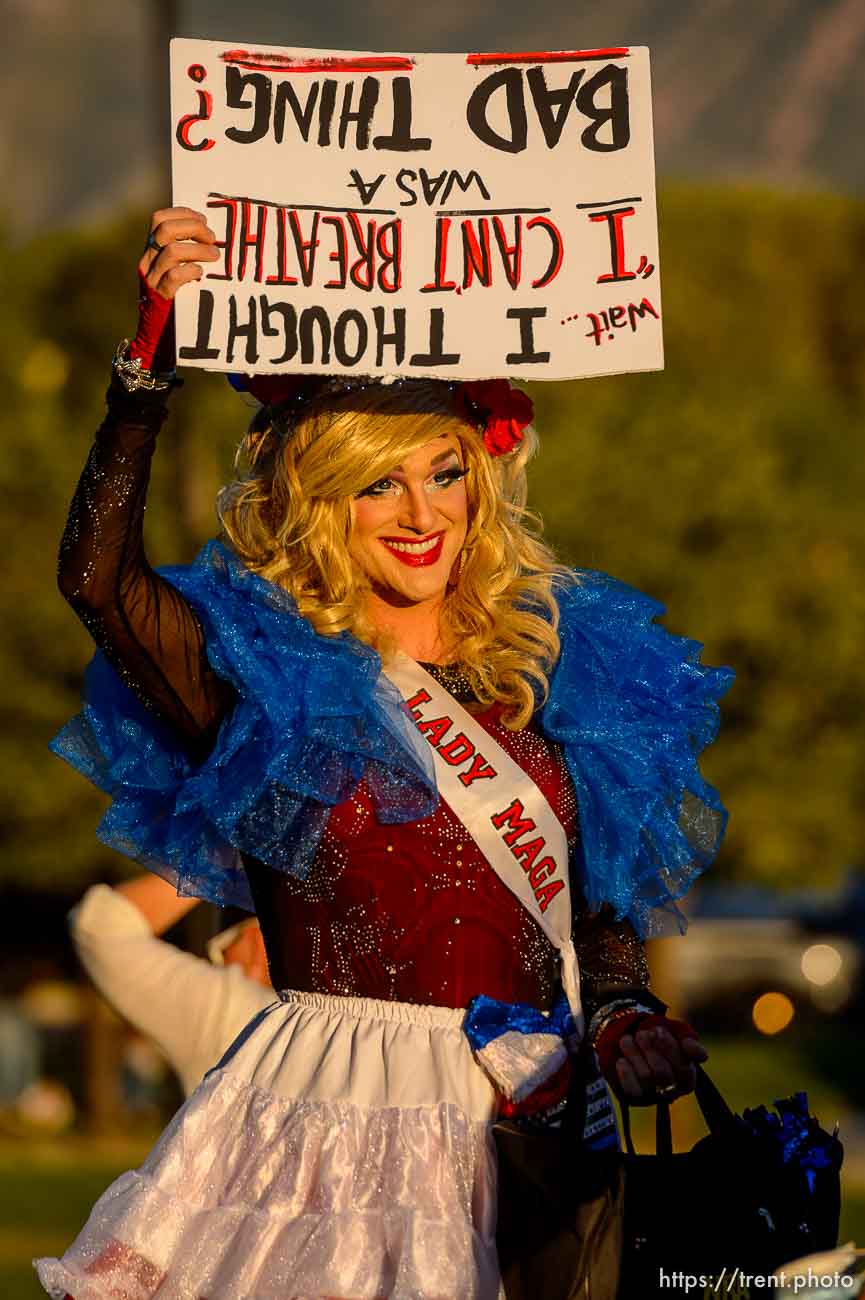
{"points": [[46, 1193]]}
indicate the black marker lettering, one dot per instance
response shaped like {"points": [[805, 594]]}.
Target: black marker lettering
{"points": [[289, 327], [248, 331], [363, 116], [617, 113], [440, 284], [282, 276], [200, 350], [395, 340], [339, 254], [236, 83], [400, 139], [436, 355], [309, 318], [403, 175], [287, 95], [431, 185], [388, 244], [476, 111], [366, 189], [305, 248], [512, 254], [345, 355], [476, 254], [362, 271], [325, 112], [527, 356], [463, 184], [552, 106], [251, 238]]}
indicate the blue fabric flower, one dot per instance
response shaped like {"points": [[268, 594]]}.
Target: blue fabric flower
{"points": [[796, 1136], [630, 704]]}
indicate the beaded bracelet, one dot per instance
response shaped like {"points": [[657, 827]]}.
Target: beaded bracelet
{"points": [[134, 377], [616, 1010]]}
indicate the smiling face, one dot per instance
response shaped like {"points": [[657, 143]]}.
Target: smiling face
{"points": [[409, 527]]}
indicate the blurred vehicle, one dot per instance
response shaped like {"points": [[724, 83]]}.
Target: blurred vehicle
{"points": [[756, 958]]}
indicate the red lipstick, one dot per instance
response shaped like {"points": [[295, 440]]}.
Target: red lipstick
{"points": [[420, 551]]}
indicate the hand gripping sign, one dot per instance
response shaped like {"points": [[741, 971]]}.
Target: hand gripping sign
{"points": [[449, 215]]}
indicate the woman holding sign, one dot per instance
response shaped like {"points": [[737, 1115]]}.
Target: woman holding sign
{"points": [[456, 782]]}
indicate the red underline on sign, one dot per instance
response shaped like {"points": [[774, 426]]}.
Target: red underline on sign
{"points": [[288, 63], [550, 56]]}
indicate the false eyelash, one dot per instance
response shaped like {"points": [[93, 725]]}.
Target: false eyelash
{"points": [[371, 490], [451, 475]]}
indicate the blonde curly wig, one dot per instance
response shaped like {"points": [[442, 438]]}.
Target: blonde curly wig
{"points": [[288, 518]]}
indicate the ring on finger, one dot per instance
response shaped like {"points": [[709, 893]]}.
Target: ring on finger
{"points": [[153, 243], [665, 1093]]}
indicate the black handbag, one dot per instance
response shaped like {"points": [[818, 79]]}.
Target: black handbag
{"points": [[730, 1208], [560, 1224], [576, 1225], [560, 1208]]}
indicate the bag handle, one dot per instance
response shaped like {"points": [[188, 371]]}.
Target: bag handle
{"points": [[713, 1108], [663, 1129]]}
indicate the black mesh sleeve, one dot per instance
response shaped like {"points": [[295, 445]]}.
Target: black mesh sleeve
{"points": [[142, 624], [612, 959]]}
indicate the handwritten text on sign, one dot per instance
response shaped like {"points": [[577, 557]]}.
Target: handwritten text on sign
{"points": [[440, 214]]}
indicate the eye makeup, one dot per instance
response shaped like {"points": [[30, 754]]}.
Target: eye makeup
{"points": [[438, 481]]}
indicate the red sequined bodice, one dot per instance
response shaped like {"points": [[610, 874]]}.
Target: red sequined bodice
{"points": [[413, 912]]}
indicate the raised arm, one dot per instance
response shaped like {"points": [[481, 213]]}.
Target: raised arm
{"points": [[144, 627], [157, 901], [191, 1009]]}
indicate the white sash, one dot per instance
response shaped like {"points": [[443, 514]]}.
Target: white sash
{"points": [[502, 809]]}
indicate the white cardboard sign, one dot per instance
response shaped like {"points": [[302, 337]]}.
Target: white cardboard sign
{"points": [[449, 215]]}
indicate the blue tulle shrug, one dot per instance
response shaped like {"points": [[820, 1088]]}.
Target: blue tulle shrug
{"points": [[631, 705]]}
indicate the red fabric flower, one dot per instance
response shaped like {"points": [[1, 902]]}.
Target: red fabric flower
{"points": [[505, 411], [547, 1097]]}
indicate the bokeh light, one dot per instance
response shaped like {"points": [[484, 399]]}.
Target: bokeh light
{"points": [[772, 1012], [821, 963]]}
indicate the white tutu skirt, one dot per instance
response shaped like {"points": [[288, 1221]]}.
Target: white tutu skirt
{"points": [[341, 1149]]}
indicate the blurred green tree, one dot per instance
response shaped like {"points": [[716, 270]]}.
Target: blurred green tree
{"points": [[729, 486]]}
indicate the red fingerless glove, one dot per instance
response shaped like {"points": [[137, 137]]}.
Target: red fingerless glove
{"points": [[607, 1043], [154, 342]]}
